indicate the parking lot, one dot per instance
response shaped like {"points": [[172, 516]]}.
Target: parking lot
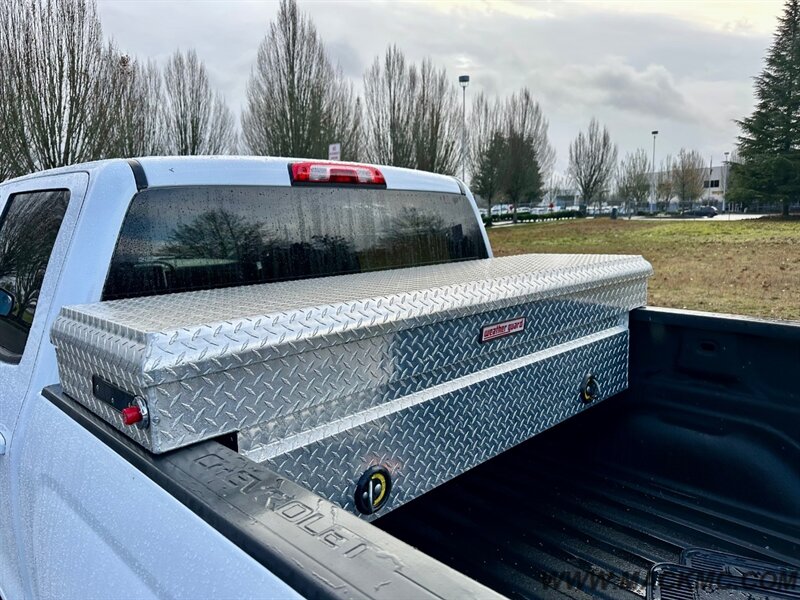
{"points": [[718, 219]]}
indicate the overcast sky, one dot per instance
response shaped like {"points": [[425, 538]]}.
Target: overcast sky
{"points": [[684, 68]]}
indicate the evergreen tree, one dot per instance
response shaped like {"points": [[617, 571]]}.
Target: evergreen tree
{"points": [[488, 175], [770, 141], [522, 177]]}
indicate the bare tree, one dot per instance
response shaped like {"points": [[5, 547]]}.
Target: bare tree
{"points": [[412, 117], [5, 163], [485, 121], [6, 167], [437, 123], [343, 124], [592, 160], [688, 175], [523, 117], [557, 187], [663, 184], [197, 120], [139, 129], [217, 234], [59, 99], [25, 246], [297, 101], [418, 234], [633, 179], [389, 93]]}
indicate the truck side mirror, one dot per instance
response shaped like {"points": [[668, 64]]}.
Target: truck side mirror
{"points": [[6, 303]]}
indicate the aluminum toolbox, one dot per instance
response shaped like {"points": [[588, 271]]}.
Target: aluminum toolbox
{"points": [[427, 371]]}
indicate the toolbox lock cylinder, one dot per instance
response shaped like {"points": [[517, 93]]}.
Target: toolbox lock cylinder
{"points": [[136, 414], [590, 389], [372, 490]]}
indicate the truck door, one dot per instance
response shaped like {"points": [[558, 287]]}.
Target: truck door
{"points": [[37, 217]]}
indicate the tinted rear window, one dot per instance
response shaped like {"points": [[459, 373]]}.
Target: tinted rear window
{"points": [[181, 239]]}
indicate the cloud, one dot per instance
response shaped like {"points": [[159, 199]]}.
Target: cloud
{"points": [[651, 91], [349, 59]]}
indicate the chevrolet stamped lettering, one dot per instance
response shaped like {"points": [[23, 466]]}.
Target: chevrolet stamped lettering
{"points": [[498, 330]]}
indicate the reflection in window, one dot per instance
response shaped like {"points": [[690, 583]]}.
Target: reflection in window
{"points": [[27, 237], [179, 239]]}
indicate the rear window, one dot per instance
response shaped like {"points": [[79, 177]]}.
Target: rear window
{"points": [[181, 239]]}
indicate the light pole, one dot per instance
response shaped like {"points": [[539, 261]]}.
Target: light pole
{"points": [[653, 179], [463, 81], [725, 182]]}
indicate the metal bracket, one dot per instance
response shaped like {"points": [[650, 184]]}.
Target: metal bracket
{"points": [[142, 404]]}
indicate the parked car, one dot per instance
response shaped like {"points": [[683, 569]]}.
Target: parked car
{"points": [[700, 211]]}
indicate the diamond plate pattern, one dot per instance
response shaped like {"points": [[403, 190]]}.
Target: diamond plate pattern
{"points": [[276, 360], [428, 440]]}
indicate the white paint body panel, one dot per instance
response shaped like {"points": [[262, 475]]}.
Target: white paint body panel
{"points": [[76, 519], [92, 526], [17, 379], [260, 170]]}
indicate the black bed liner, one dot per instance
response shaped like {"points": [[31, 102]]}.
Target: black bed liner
{"points": [[530, 525], [702, 452]]}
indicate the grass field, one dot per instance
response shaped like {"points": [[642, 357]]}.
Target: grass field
{"points": [[741, 267]]}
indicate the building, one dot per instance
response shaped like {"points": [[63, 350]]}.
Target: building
{"points": [[714, 184], [714, 187]]}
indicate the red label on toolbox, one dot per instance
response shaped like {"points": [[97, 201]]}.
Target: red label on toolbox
{"points": [[498, 330]]}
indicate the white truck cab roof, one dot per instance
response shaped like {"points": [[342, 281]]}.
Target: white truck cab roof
{"points": [[246, 170]]}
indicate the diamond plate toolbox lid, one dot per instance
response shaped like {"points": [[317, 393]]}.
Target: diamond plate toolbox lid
{"points": [[295, 355]]}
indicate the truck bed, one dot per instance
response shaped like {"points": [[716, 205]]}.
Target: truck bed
{"points": [[575, 527], [701, 452]]}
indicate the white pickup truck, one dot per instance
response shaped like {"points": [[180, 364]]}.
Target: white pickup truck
{"points": [[254, 378]]}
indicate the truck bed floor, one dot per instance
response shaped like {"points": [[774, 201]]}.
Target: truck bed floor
{"points": [[555, 517]]}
